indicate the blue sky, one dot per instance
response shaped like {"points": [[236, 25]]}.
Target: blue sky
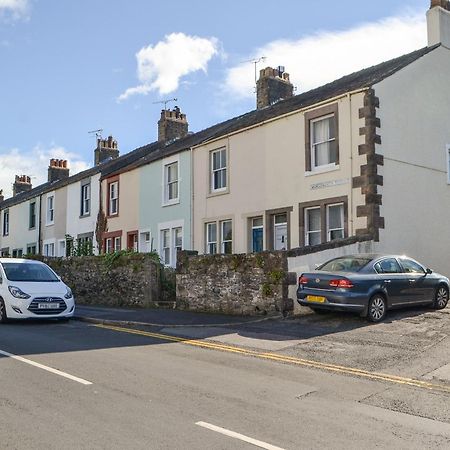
{"points": [[68, 67]]}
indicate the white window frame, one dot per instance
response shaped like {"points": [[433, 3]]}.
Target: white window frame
{"points": [[164, 247], [306, 221], [174, 243], [49, 244], [448, 163], [168, 162], [312, 152], [208, 242], [109, 245], [61, 248], [224, 241], [111, 198], [222, 168], [85, 199], [329, 230], [171, 226], [50, 214], [5, 230], [117, 243]]}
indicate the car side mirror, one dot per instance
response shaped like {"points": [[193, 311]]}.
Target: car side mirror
{"points": [[429, 271]]}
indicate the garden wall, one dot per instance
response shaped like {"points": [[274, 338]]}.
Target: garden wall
{"points": [[241, 284]]}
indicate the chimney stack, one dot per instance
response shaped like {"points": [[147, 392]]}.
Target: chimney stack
{"points": [[57, 170], [21, 184], [2, 197], [172, 125], [273, 85], [438, 23], [106, 149]]}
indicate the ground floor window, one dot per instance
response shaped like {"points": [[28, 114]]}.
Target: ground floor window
{"points": [[31, 249], [313, 226], [109, 245], [49, 249], [165, 247], [257, 234], [335, 221], [211, 238], [171, 241], [117, 244], [17, 253], [219, 237], [226, 236]]}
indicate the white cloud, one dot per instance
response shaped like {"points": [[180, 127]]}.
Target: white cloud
{"points": [[34, 164], [161, 66], [16, 9], [321, 58]]}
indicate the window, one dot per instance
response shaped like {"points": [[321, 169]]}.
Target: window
{"points": [[6, 222], [177, 241], [211, 238], [257, 233], [171, 183], [85, 199], [226, 237], [117, 244], [388, 265], [280, 233], [335, 221], [313, 228], [49, 249], [218, 170], [165, 247], [31, 249], [50, 210], [323, 142], [109, 245], [410, 266], [17, 253], [113, 196], [32, 215]]}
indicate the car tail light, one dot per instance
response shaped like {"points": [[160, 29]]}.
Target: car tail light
{"points": [[341, 283], [303, 280]]}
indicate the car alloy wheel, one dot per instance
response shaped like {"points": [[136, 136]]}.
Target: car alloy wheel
{"points": [[3, 317], [377, 308], [441, 297]]}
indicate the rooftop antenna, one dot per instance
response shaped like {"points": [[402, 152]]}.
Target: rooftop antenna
{"points": [[165, 102], [255, 62], [98, 133]]}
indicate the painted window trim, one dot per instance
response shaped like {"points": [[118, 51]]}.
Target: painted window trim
{"points": [[310, 117], [308, 232], [171, 226], [226, 188], [109, 182], [165, 192], [329, 230], [5, 229], [84, 214], [323, 217], [33, 201], [48, 196]]}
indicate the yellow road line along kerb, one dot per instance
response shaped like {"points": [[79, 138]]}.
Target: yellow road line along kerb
{"points": [[286, 359]]}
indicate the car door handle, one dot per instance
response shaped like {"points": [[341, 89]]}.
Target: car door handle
{"points": [[412, 281], [387, 281]]}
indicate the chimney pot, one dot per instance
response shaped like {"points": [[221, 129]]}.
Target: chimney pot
{"points": [[21, 184], [57, 170]]}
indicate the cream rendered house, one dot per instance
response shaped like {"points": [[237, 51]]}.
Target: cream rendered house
{"points": [[367, 155]]}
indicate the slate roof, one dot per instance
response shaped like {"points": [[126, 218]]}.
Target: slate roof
{"points": [[157, 150]]}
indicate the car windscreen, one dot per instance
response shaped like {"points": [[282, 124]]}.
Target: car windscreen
{"points": [[345, 264], [29, 272]]}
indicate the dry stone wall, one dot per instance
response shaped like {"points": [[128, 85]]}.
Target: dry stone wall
{"points": [[129, 280], [253, 284]]}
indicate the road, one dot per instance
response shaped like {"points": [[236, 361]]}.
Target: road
{"points": [[107, 388]]}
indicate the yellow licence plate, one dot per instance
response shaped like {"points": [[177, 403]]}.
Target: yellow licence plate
{"points": [[315, 299]]}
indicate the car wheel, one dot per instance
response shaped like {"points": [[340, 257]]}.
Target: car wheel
{"points": [[3, 316], [440, 297], [377, 308]]}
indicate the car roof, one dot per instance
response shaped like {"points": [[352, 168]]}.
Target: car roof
{"points": [[373, 256], [19, 260]]}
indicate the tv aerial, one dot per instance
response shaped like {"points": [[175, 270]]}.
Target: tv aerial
{"points": [[255, 62], [98, 133], [161, 102]]}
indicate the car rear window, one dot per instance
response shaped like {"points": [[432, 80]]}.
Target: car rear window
{"points": [[29, 272], [345, 264]]}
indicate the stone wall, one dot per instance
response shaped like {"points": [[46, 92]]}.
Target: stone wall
{"points": [[242, 284], [123, 280]]}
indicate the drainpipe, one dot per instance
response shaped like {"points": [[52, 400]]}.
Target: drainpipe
{"points": [[39, 249], [191, 206], [350, 212]]}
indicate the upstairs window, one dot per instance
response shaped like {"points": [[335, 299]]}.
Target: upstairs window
{"points": [[218, 170], [323, 142], [171, 183], [6, 222], [32, 216], [113, 198], [50, 210], [85, 199]]}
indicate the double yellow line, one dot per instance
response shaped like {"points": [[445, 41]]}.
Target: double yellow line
{"points": [[286, 359]]}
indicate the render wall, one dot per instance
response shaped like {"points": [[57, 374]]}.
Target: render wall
{"points": [[266, 171], [415, 116]]}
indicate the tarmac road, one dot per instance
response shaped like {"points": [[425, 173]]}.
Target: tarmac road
{"points": [[81, 386]]}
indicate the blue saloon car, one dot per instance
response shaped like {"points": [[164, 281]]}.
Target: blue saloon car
{"points": [[371, 284]]}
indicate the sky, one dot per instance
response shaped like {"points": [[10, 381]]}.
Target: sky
{"points": [[70, 67]]}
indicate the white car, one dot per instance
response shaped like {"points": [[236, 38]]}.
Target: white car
{"points": [[31, 289]]}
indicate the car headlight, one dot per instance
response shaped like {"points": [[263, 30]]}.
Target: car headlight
{"points": [[18, 293], [68, 294]]}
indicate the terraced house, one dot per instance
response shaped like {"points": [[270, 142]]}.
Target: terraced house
{"points": [[366, 157]]}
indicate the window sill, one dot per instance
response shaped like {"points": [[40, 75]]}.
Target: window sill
{"points": [[50, 224], [218, 192], [322, 169], [171, 203]]}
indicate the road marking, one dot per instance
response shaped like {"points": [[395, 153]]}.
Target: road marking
{"points": [[239, 436], [286, 359], [48, 369]]}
